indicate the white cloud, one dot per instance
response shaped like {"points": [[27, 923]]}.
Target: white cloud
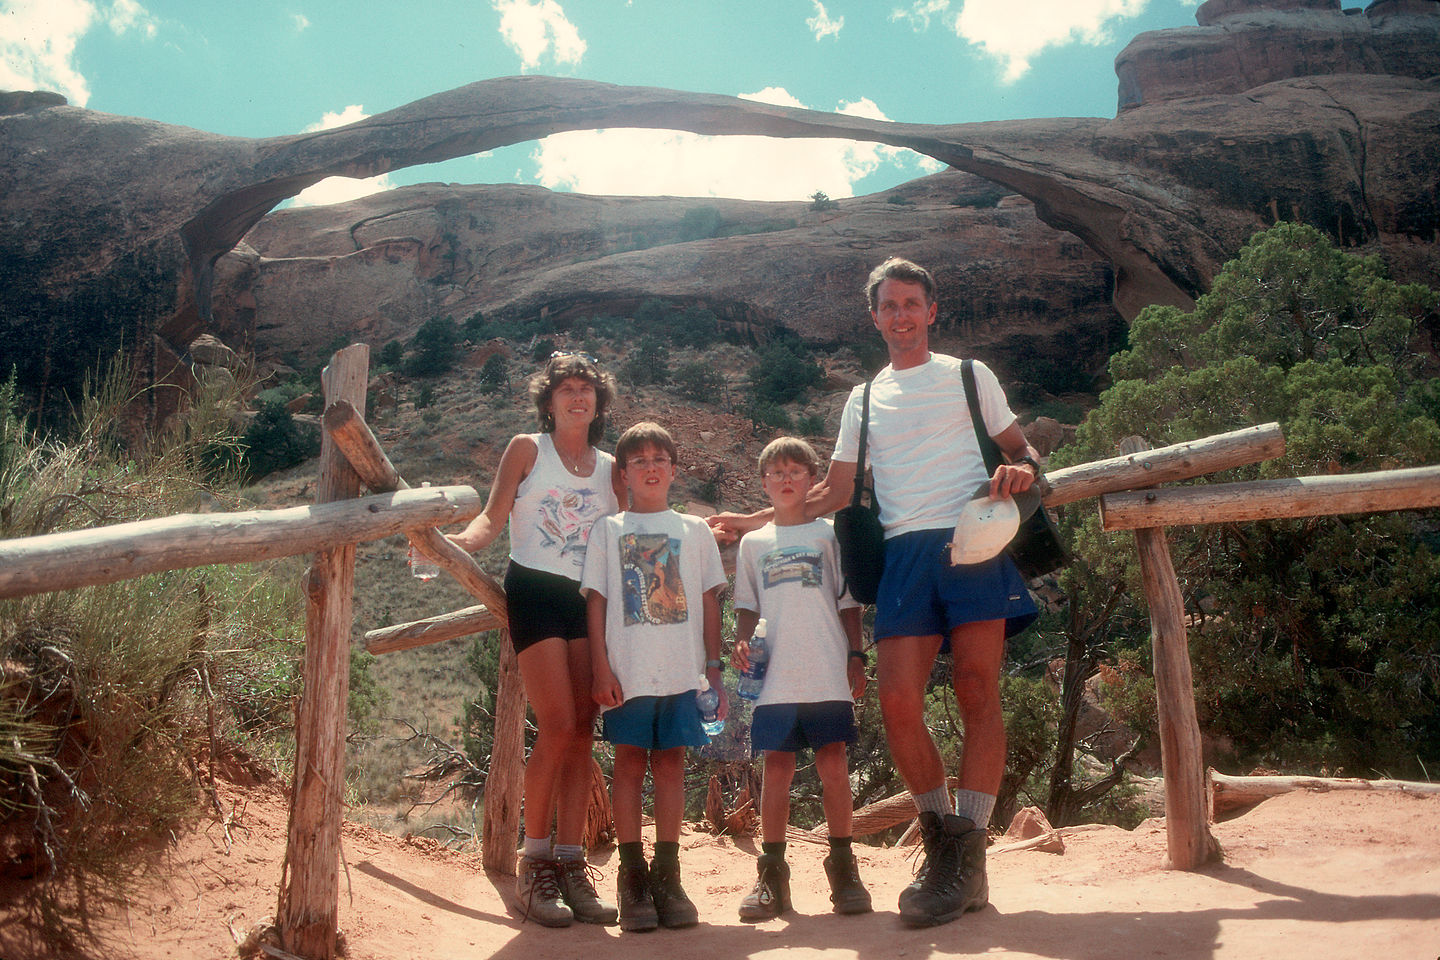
{"points": [[38, 37], [821, 25], [340, 189], [38, 47], [534, 27], [1014, 31], [302, 22], [625, 162], [920, 12]]}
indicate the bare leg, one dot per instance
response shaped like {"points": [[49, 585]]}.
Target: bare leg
{"points": [[667, 773], [978, 651], [833, 766], [904, 665], [572, 786], [628, 780], [544, 668], [775, 795]]}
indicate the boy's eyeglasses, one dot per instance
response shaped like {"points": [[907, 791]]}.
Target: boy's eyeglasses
{"points": [[579, 356], [789, 476], [648, 463]]}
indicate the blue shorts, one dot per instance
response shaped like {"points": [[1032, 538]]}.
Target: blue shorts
{"points": [[921, 594], [791, 727], [655, 723]]}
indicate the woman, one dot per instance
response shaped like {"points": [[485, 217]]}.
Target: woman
{"points": [[552, 486]]}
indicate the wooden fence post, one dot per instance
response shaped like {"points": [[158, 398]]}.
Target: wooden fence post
{"points": [[505, 784], [310, 879], [1187, 827]]}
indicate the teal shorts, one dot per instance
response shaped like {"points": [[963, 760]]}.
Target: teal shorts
{"points": [[655, 723]]}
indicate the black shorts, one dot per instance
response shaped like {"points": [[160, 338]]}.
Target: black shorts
{"points": [[542, 605]]}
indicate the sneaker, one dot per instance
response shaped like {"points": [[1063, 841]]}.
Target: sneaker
{"points": [[580, 896], [771, 894], [847, 893], [538, 889], [952, 878], [637, 908], [671, 904]]}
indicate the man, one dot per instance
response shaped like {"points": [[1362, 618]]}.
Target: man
{"points": [[926, 463]]}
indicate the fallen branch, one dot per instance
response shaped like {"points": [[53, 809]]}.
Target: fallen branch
{"points": [[1228, 793]]}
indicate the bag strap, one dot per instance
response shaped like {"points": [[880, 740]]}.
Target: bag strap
{"points": [[989, 449], [864, 436]]}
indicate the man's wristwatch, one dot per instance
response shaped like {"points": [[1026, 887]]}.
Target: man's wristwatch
{"points": [[1031, 461]]}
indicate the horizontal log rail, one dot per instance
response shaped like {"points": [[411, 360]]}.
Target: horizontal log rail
{"points": [[418, 633], [1179, 461], [1412, 488], [86, 558], [354, 438]]}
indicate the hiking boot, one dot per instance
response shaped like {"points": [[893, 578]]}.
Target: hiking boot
{"points": [[847, 893], [771, 894], [538, 888], [951, 880], [671, 904], [580, 895], [637, 909]]}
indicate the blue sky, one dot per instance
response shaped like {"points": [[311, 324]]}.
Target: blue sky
{"points": [[271, 67]]}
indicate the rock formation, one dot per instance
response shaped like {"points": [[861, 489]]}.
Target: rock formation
{"points": [[115, 224]]}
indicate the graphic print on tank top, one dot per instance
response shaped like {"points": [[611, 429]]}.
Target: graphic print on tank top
{"points": [[565, 518]]}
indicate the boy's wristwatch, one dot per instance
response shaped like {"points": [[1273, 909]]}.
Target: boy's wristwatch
{"points": [[860, 655], [715, 665]]}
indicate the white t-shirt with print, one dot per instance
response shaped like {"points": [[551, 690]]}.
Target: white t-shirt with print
{"points": [[790, 575], [653, 570]]}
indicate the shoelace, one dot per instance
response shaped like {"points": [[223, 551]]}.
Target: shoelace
{"points": [[544, 879], [582, 872]]}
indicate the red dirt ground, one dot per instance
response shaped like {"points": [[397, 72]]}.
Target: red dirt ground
{"points": [[1311, 875]]}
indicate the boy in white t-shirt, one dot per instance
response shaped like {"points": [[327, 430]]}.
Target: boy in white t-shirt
{"points": [[788, 572], [651, 582]]}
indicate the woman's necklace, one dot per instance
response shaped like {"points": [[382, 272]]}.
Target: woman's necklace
{"points": [[575, 465]]}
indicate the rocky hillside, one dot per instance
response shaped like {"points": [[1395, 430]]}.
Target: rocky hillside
{"points": [[119, 228]]}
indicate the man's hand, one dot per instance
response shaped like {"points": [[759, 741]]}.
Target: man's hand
{"points": [[1010, 479], [729, 527]]}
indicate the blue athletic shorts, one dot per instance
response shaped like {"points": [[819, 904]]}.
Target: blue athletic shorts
{"points": [[921, 594], [791, 727], [542, 605], [655, 723]]}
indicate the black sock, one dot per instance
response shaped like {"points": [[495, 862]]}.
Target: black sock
{"points": [[773, 849], [840, 845], [667, 851], [632, 853]]}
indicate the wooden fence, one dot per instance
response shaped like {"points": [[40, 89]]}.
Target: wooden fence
{"points": [[340, 518]]}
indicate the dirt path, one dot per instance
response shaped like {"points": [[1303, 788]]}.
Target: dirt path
{"points": [[1305, 875]]}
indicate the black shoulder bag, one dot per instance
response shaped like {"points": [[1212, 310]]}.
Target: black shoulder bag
{"points": [[1036, 547], [858, 528]]}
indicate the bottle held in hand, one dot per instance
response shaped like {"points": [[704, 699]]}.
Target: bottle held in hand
{"points": [[708, 700], [753, 678]]}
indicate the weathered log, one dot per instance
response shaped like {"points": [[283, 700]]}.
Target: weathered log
{"points": [[1408, 489], [504, 787], [880, 815], [418, 633], [1179, 461], [353, 436], [309, 895], [1187, 826], [1228, 794], [84, 558], [600, 818]]}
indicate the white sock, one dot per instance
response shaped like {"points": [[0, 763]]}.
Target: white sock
{"points": [[569, 851], [937, 801], [536, 849], [975, 807]]}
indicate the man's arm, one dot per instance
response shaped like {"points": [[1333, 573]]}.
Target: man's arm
{"points": [[1014, 477]]}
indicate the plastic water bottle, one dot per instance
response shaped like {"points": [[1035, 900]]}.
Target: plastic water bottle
{"points": [[708, 700], [421, 567], [753, 679]]}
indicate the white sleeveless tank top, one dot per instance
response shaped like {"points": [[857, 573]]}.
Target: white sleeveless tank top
{"points": [[554, 511]]}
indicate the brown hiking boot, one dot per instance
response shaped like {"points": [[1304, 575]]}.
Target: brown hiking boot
{"points": [[537, 887], [770, 896], [951, 880], [847, 893], [673, 906], [637, 908], [580, 895]]}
